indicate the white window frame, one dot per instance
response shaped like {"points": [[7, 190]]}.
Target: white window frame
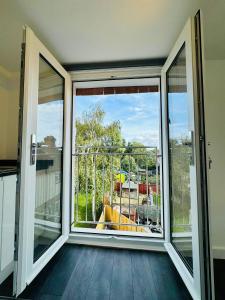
{"points": [[193, 283], [130, 81], [25, 269]]}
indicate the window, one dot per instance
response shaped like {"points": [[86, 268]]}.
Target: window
{"points": [[117, 158]]}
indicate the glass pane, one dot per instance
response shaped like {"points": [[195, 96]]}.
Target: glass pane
{"points": [[179, 159], [48, 204], [117, 168]]}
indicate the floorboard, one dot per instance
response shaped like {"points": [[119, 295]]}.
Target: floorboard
{"points": [[80, 279], [91, 273], [219, 278], [100, 283], [143, 284], [122, 280]]}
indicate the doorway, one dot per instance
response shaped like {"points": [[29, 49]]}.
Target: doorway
{"points": [[117, 158]]}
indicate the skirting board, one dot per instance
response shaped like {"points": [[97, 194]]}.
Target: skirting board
{"points": [[219, 252]]}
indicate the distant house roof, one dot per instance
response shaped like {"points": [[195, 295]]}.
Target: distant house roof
{"points": [[131, 185]]}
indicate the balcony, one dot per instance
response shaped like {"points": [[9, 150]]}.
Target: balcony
{"points": [[118, 189]]}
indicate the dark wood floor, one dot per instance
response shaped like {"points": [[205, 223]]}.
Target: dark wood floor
{"points": [[219, 278], [82, 272]]}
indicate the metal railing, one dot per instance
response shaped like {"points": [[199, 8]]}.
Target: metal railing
{"points": [[48, 185], [117, 188]]}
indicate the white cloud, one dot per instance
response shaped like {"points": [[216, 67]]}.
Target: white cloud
{"points": [[148, 137]]}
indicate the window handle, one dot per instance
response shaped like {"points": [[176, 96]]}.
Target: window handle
{"points": [[210, 162], [33, 149]]}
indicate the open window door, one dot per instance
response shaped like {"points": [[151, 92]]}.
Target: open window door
{"points": [[182, 180], [44, 152]]}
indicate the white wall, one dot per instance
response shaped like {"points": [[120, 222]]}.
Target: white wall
{"points": [[215, 135], [213, 26], [9, 108]]}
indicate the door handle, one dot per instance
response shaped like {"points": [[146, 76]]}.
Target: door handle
{"points": [[210, 162], [33, 149]]}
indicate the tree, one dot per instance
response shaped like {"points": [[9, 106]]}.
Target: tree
{"points": [[94, 170], [128, 164], [91, 130], [180, 151], [145, 158]]}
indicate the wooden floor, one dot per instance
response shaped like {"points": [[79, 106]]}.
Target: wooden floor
{"points": [[82, 272], [219, 278]]}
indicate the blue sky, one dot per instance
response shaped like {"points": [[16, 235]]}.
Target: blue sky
{"points": [[137, 113], [178, 108], [50, 121]]}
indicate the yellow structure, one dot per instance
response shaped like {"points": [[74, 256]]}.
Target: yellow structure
{"points": [[120, 178], [113, 216]]}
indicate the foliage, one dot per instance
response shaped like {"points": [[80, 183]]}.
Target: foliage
{"points": [[93, 169], [128, 164], [180, 180], [84, 207], [157, 199], [91, 130], [145, 158]]}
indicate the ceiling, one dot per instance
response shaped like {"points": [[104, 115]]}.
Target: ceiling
{"points": [[83, 31]]}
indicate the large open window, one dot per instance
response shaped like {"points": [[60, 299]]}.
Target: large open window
{"points": [[117, 158]]}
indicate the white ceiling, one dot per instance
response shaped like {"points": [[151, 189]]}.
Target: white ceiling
{"points": [[79, 31]]}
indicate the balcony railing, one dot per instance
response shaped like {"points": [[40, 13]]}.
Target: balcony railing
{"points": [[118, 188]]}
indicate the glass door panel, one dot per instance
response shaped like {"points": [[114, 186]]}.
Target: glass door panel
{"points": [[49, 168], [180, 154], [45, 145]]}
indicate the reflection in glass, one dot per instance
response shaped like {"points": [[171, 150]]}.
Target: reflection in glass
{"points": [[47, 227], [179, 159]]}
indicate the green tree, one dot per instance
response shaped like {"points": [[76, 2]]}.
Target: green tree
{"points": [[145, 158], [180, 153], [91, 130], [128, 164], [93, 137]]}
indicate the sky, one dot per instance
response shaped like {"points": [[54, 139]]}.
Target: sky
{"points": [[138, 114], [179, 116], [50, 121]]}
